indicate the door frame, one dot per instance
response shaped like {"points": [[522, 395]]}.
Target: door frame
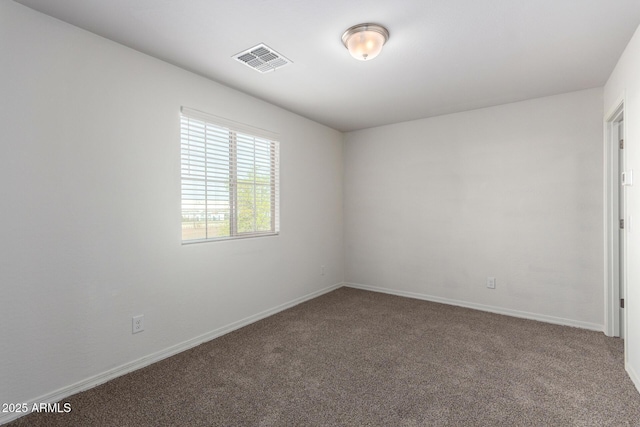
{"points": [[611, 220]]}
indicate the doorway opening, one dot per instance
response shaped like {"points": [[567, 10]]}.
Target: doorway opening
{"points": [[616, 224]]}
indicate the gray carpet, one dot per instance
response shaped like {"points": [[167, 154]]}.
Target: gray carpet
{"points": [[356, 358]]}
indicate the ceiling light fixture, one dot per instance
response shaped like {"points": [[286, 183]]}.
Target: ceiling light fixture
{"points": [[365, 41]]}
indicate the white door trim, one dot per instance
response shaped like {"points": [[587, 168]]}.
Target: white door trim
{"points": [[611, 218]]}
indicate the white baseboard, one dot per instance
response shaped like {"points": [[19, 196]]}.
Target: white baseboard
{"points": [[482, 307], [633, 375], [103, 377]]}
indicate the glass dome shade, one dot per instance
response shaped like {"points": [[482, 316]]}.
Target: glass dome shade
{"points": [[365, 41]]}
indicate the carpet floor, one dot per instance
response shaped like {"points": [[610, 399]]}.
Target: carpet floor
{"points": [[357, 358]]}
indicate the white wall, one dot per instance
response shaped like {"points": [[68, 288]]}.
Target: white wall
{"points": [[435, 206], [625, 82], [90, 179]]}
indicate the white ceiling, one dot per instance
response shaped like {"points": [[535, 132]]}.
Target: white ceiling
{"points": [[443, 56]]}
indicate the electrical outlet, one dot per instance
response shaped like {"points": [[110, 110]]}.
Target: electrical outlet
{"points": [[491, 282], [322, 270], [138, 324]]}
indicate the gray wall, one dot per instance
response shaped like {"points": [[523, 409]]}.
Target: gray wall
{"points": [[624, 83], [435, 206], [90, 177]]}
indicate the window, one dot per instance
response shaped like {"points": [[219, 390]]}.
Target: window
{"points": [[229, 176]]}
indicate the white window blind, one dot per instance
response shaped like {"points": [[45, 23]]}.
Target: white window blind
{"points": [[229, 176]]}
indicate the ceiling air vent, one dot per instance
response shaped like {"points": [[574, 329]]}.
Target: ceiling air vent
{"points": [[262, 58]]}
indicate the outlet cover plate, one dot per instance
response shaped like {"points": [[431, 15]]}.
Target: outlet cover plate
{"points": [[138, 324]]}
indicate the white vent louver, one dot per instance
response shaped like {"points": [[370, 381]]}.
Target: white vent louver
{"points": [[262, 58]]}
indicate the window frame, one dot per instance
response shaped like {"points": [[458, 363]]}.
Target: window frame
{"points": [[239, 135]]}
